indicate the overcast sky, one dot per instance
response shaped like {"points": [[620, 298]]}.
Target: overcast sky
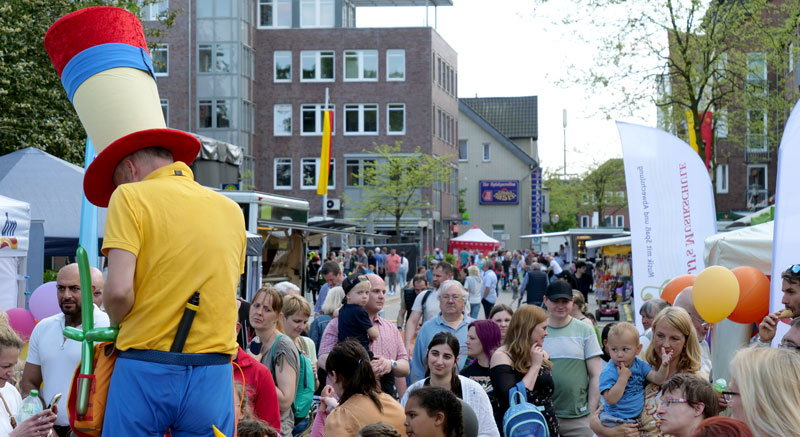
{"points": [[506, 48]]}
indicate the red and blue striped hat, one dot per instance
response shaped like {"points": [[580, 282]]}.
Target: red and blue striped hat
{"points": [[101, 55]]}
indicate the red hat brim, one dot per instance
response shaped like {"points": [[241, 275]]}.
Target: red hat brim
{"points": [[98, 181]]}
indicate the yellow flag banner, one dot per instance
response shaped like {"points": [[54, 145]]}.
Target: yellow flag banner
{"points": [[690, 127], [325, 154]]}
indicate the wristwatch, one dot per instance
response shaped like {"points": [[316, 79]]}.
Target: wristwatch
{"points": [[394, 364]]}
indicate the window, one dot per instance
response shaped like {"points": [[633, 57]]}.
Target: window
{"points": [[312, 119], [757, 194], [160, 56], [462, 150], [607, 221], [361, 65], [316, 13], [214, 58], [274, 13], [395, 65], [722, 123], [620, 221], [214, 114], [317, 65], [584, 221], [487, 152], [396, 120], [722, 178], [498, 231], [354, 171], [756, 139], [165, 111], [283, 120], [757, 72], [283, 174], [309, 168], [283, 66], [361, 119], [151, 11]]}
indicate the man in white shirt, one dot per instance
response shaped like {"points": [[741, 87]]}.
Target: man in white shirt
{"points": [[52, 358], [488, 288], [555, 267]]}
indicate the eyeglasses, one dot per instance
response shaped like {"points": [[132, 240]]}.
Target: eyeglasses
{"points": [[703, 323], [728, 395], [786, 345], [671, 401], [446, 297], [794, 269]]}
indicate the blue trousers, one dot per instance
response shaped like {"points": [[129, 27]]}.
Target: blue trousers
{"points": [[146, 399]]}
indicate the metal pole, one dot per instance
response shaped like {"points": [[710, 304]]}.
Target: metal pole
{"points": [[324, 250], [564, 123]]}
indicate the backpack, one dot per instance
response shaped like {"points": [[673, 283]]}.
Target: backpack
{"points": [[304, 396], [523, 419]]}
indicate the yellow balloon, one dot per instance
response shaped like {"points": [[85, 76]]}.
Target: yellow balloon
{"points": [[715, 293], [23, 353]]}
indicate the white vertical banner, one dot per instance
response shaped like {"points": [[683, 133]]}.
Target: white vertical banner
{"points": [[786, 239], [671, 208]]}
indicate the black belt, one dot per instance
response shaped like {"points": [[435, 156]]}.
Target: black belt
{"points": [[175, 358]]}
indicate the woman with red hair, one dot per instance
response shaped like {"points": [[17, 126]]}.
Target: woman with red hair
{"points": [[722, 427]]}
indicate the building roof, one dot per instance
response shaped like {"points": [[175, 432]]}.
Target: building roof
{"points": [[514, 117], [495, 133]]}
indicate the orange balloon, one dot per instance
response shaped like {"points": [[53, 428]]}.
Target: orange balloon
{"points": [[753, 303], [675, 286]]}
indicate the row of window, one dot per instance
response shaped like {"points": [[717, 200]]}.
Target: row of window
{"points": [[275, 14], [445, 125], [444, 75], [359, 65], [309, 171], [359, 119], [607, 221], [463, 151]]}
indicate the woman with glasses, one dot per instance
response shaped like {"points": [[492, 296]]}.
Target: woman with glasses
{"points": [[764, 391], [673, 331], [686, 401]]}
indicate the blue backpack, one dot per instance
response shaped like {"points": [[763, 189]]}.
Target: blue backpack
{"points": [[523, 419]]}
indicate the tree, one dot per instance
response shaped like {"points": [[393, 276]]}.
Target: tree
{"points": [[564, 202], [601, 188], [36, 111], [690, 56], [396, 183]]}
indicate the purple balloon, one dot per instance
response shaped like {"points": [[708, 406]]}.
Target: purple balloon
{"points": [[44, 301], [21, 321]]}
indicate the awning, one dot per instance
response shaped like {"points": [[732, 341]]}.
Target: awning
{"points": [[616, 241], [318, 230], [546, 234]]}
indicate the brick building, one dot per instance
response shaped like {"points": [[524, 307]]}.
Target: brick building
{"points": [[254, 73]]}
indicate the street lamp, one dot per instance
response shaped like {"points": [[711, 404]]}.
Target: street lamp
{"points": [[564, 123]]}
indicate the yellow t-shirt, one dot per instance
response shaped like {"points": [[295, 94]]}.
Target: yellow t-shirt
{"points": [[186, 238]]}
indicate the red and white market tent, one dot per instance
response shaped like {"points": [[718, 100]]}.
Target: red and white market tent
{"points": [[474, 239]]}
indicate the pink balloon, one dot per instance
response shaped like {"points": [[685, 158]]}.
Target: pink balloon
{"points": [[21, 321], [44, 301]]}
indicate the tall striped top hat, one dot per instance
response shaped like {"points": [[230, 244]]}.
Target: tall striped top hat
{"points": [[102, 58]]}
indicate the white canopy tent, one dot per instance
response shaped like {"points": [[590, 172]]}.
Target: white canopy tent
{"points": [[750, 246], [474, 239], [15, 222]]}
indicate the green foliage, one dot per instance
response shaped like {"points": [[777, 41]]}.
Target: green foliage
{"points": [[397, 184], [601, 186], [462, 204], [564, 201], [450, 259], [49, 275], [36, 111]]}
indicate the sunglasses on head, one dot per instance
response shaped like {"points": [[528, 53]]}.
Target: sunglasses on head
{"points": [[794, 269]]}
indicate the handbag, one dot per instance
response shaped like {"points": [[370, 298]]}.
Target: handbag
{"points": [[91, 424]]}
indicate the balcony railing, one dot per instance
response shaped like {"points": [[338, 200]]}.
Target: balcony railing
{"points": [[756, 198], [756, 149]]}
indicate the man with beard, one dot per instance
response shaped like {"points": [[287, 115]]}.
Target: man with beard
{"points": [[52, 358]]}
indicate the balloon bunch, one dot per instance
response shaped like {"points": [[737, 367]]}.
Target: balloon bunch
{"points": [[740, 294]]}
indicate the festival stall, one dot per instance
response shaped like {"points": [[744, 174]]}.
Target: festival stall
{"points": [[15, 221], [473, 239]]}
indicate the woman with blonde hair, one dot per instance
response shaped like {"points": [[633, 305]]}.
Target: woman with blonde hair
{"points": [[764, 391], [579, 307], [473, 286], [521, 358], [672, 332], [276, 351]]}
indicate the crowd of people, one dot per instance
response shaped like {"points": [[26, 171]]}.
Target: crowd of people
{"points": [[443, 368]]}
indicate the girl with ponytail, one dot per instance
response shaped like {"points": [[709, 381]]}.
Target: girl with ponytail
{"points": [[442, 371], [361, 401]]}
